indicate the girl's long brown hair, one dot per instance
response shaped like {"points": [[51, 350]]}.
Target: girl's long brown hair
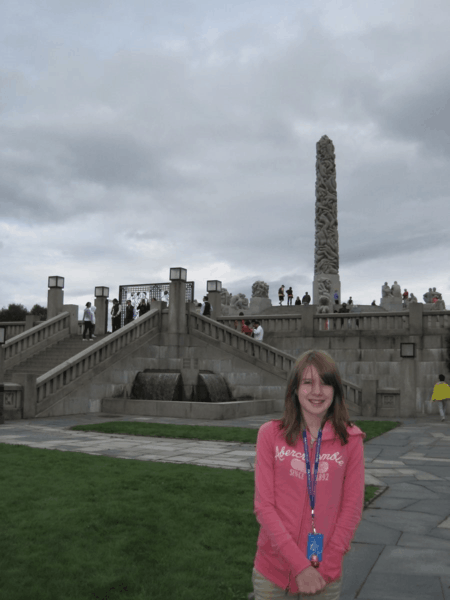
{"points": [[292, 421]]}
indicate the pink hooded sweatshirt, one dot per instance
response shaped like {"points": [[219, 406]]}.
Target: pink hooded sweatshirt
{"points": [[283, 509]]}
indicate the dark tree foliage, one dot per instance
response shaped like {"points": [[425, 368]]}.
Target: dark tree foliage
{"points": [[14, 312], [39, 311]]}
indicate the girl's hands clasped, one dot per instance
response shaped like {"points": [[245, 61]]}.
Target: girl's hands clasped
{"points": [[310, 581]]}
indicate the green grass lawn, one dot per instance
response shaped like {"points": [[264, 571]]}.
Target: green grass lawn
{"points": [[75, 526]]}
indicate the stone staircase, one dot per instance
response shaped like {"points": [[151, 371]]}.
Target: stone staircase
{"points": [[52, 356]]}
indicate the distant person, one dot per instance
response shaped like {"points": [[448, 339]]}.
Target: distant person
{"points": [[374, 303], [298, 301], [93, 309], [87, 322], [336, 297], [206, 308], [236, 322], [116, 312], [290, 295], [281, 295], [165, 297], [245, 328], [350, 301], [258, 331], [441, 394], [143, 307], [343, 309], [306, 298], [405, 294], [129, 312]]}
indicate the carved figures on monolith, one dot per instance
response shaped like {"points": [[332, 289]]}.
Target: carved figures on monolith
{"points": [[326, 249], [324, 291], [326, 256]]}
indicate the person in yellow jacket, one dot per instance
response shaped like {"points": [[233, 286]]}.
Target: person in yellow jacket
{"points": [[441, 393]]}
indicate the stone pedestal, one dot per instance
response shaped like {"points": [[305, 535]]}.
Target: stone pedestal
{"points": [[335, 285], [214, 300], [55, 301], [101, 315], [391, 303], [258, 305], [177, 307], [369, 396], [72, 309]]}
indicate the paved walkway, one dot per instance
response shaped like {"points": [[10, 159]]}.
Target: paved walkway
{"points": [[401, 550]]}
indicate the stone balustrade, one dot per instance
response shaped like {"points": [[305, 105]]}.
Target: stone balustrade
{"points": [[398, 321], [24, 345], [74, 368], [235, 339], [278, 323], [270, 355], [435, 321], [425, 321], [12, 328]]}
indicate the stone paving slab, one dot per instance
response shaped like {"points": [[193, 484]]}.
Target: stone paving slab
{"points": [[435, 507], [410, 491], [397, 586], [404, 520], [376, 533], [357, 563], [413, 561], [413, 540]]}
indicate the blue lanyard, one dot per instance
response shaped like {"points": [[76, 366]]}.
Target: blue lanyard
{"points": [[311, 489]]}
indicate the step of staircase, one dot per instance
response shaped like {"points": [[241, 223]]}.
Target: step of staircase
{"points": [[51, 357]]}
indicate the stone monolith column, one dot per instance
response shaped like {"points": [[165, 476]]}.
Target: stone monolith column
{"points": [[326, 254]]}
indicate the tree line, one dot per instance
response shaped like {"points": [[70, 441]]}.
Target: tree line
{"points": [[17, 312]]}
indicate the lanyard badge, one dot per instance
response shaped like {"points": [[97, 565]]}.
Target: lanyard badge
{"points": [[315, 540]]}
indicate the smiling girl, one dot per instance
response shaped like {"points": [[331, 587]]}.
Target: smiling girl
{"points": [[309, 486]]}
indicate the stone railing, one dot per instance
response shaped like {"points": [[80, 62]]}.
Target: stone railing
{"points": [[255, 349], [235, 339], [28, 343], [362, 322], [310, 323], [61, 377], [12, 328], [275, 323], [435, 320]]}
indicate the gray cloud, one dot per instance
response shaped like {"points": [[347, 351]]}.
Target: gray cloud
{"points": [[132, 143]]}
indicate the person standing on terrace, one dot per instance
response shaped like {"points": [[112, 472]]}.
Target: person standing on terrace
{"points": [[441, 394], [309, 486]]}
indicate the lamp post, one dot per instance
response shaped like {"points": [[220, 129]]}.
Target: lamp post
{"points": [[2, 373], [214, 288], [177, 301], [55, 298], [101, 313]]}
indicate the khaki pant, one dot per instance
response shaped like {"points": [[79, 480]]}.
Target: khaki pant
{"points": [[266, 590]]}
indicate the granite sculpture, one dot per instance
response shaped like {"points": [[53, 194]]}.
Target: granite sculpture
{"points": [[260, 300], [260, 289], [326, 253]]}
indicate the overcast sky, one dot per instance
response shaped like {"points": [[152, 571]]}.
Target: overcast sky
{"points": [[146, 135]]}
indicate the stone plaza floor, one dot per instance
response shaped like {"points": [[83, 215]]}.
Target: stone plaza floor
{"points": [[401, 550]]}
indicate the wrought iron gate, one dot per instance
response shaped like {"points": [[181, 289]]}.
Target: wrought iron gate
{"points": [[148, 291]]}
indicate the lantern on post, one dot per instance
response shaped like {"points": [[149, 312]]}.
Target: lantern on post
{"points": [[55, 296]]}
